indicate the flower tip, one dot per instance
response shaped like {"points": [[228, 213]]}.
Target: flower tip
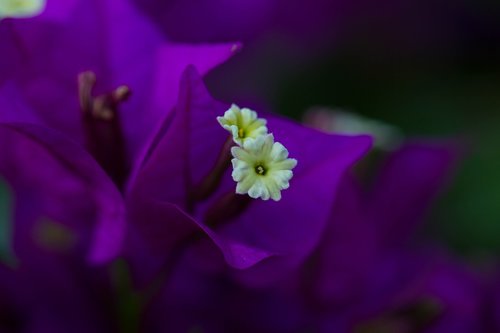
{"points": [[220, 120], [243, 124]]}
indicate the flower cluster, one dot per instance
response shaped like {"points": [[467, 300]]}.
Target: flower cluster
{"points": [[261, 167], [119, 210]]}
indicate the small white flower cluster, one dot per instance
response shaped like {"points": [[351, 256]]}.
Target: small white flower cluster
{"points": [[21, 8], [261, 166]]}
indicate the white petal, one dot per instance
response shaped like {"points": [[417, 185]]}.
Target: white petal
{"points": [[242, 155], [287, 164], [243, 186], [279, 152]]}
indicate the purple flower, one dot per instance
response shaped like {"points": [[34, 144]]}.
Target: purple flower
{"points": [[79, 200], [278, 235], [102, 147]]}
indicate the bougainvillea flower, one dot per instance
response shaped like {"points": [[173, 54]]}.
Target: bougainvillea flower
{"points": [[43, 57], [246, 231]]}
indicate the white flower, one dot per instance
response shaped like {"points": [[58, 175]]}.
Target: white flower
{"points": [[21, 8], [262, 168], [243, 124]]}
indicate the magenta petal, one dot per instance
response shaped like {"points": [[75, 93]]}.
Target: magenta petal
{"points": [[304, 208], [163, 176], [173, 59], [348, 249], [170, 62], [187, 145], [13, 108], [293, 226], [55, 180], [236, 253]]}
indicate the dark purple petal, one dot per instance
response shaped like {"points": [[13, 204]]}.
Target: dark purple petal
{"points": [[171, 60], [206, 21], [56, 182], [222, 20], [362, 228], [425, 290], [408, 182], [50, 292], [348, 251]]}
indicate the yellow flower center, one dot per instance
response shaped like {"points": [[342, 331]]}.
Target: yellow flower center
{"points": [[260, 170]]}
